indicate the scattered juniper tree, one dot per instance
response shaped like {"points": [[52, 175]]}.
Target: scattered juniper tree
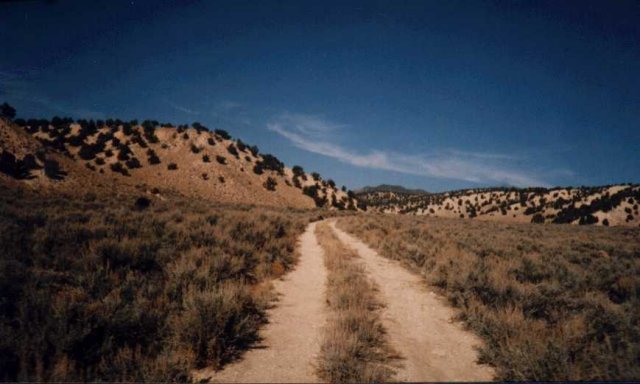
{"points": [[270, 184], [223, 134]]}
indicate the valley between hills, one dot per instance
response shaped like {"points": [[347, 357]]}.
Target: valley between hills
{"points": [[159, 252]]}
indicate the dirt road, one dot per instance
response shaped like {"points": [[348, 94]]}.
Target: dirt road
{"points": [[419, 323], [291, 340]]}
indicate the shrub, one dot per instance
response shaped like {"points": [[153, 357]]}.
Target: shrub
{"points": [[89, 151], [172, 166], [205, 158], [126, 129], [75, 141], [312, 191], [270, 184], [223, 134], [315, 176], [118, 168], [211, 141], [142, 203], [149, 125], [221, 159], [588, 219], [124, 152], [52, 170], [298, 171], [133, 163], [269, 162], [137, 139], [200, 128], [152, 157], [537, 218], [233, 151], [8, 164]]}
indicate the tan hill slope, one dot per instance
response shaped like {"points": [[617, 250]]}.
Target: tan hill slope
{"points": [[604, 205], [100, 156]]}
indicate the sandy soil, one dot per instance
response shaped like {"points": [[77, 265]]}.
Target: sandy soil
{"points": [[291, 340], [420, 324]]}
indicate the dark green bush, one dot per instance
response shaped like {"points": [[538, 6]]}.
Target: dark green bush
{"points": [[270, 184], [223, 134]]}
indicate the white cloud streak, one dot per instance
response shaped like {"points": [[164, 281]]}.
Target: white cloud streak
{"points": [[182, 109], [313, 134]]}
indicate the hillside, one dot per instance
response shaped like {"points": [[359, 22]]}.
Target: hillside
{"points": [[87, 156], [604, 205]]}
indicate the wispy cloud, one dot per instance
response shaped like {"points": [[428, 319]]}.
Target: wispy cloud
{"points": [[227, 105], [182, 109], [231, 113], [314, 134]]}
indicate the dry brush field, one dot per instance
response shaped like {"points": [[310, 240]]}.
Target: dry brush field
{"points": [[102, 289], [551, 302], [114, 289]]}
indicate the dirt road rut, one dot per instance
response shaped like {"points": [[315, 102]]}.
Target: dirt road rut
{"points": [[420, 324], [291, 339]]}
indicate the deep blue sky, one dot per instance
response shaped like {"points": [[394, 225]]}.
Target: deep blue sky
{"points": [[432, 94]]}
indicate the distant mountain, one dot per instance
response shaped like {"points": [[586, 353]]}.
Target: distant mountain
{"points": [[112, 156], [391, 188]]}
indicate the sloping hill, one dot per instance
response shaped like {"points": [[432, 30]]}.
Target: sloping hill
{"points": [[604, 205], [105, 156]]}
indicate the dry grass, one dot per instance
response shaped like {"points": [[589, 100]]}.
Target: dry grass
{"points": [[551, 302], [98, 290], [355, 347]]}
